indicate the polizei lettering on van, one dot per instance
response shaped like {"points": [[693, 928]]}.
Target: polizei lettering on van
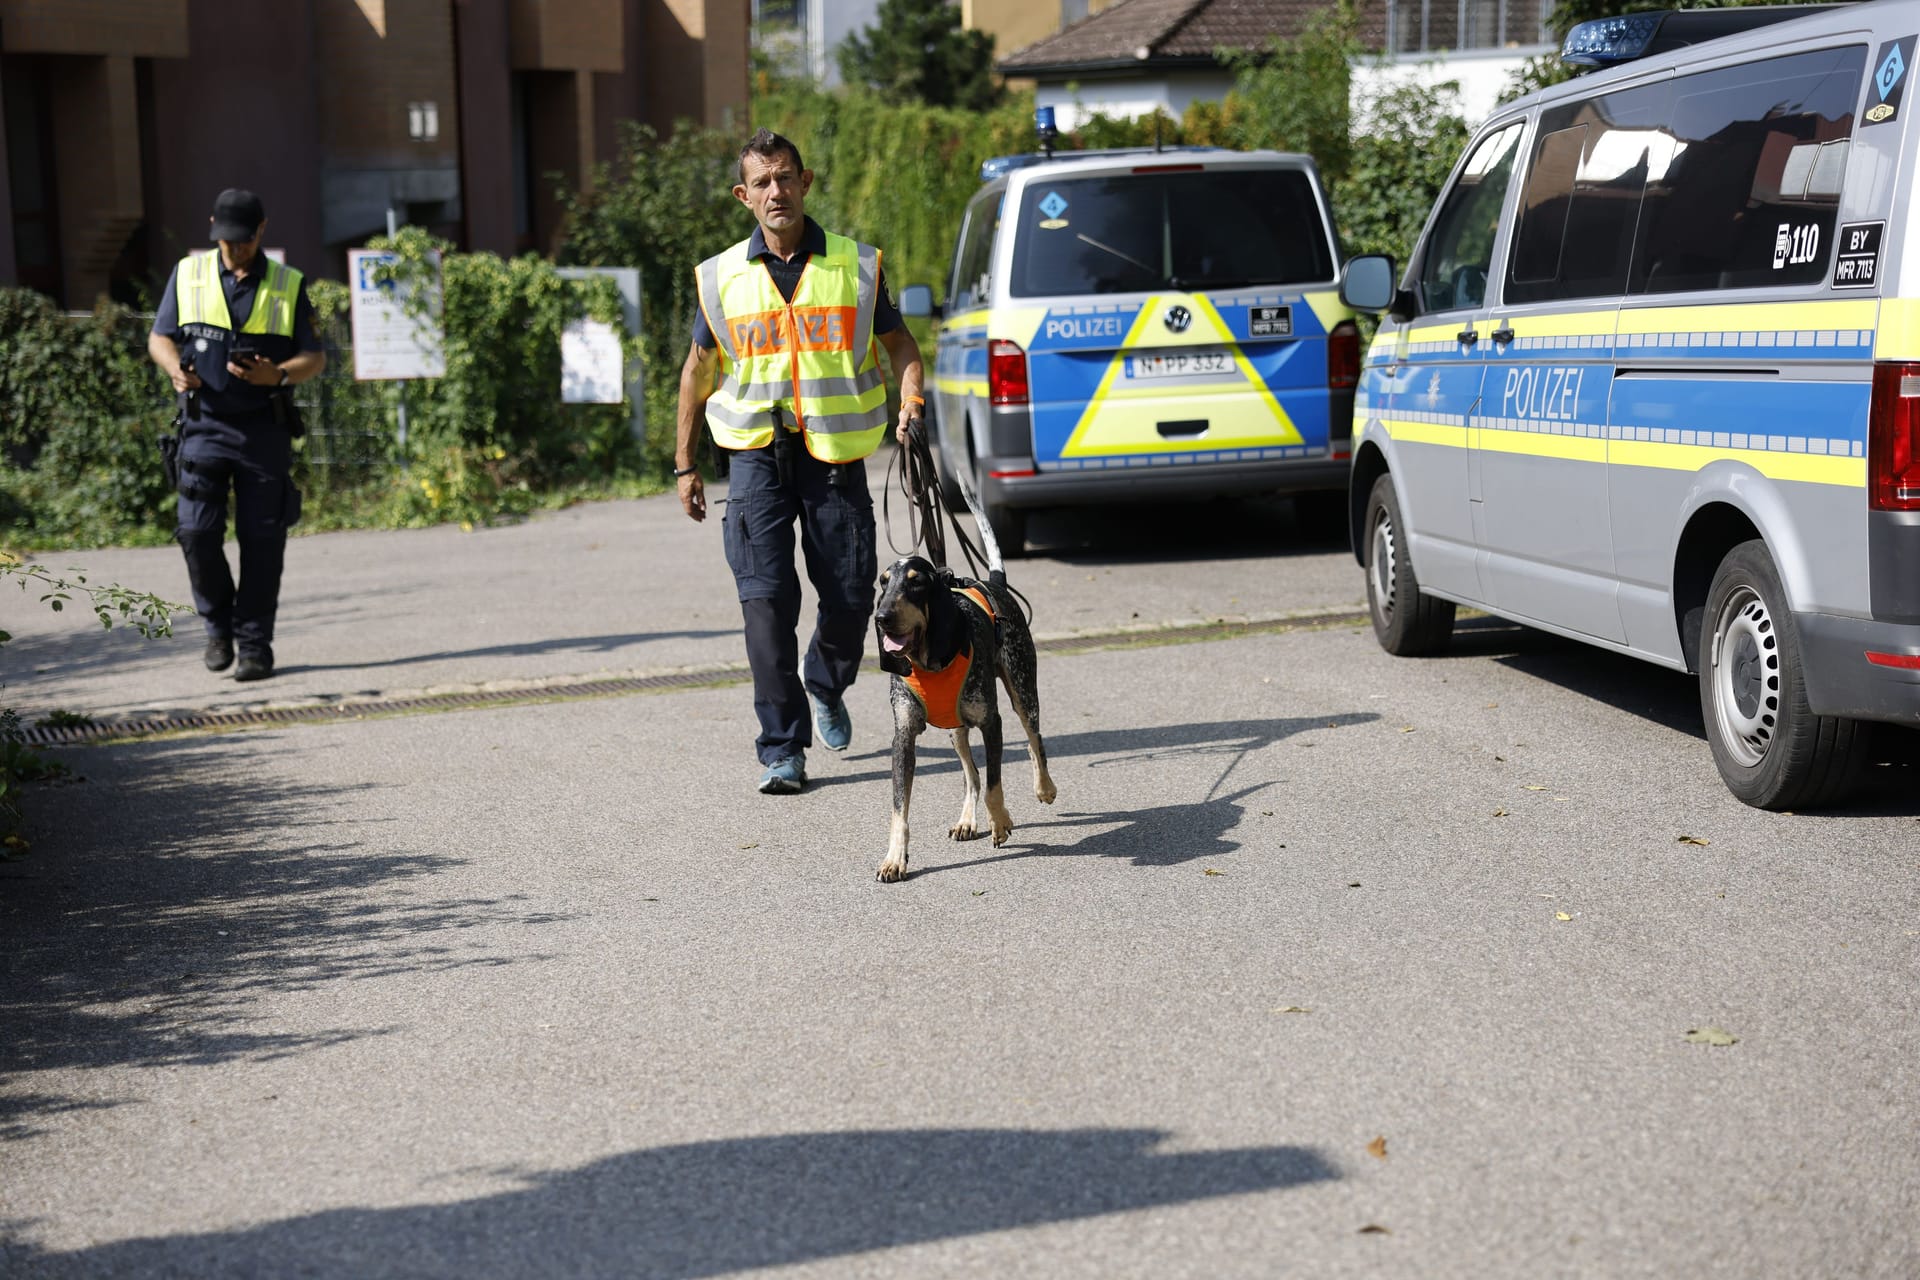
{"points": [[1085, 327], [1551, 394]]}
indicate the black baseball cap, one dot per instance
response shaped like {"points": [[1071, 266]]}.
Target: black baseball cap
{"points": [[237, 215]]}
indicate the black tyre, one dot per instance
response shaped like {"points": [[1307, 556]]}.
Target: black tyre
{"points": [[1407, 622], [1772, 751], [1009, 524]]}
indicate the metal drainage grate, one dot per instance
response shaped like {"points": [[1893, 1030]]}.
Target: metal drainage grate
{"points": [[710, 677]]}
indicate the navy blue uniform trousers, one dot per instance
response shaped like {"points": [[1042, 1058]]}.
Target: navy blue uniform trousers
{"points": [[252, 457], [834, 512]]}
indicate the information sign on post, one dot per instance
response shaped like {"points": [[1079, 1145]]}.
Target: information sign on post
{"points": [[390, 342], [627, 281], [592, 366]]}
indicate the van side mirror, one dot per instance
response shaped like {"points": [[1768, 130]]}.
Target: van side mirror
{"points": [[1367, 283], [917, 300]]}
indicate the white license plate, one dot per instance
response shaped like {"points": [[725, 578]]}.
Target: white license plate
{"points": [[1191, 362]]}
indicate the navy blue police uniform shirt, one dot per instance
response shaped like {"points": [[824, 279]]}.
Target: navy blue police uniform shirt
{"points": [[221, 394], [786, 278]]}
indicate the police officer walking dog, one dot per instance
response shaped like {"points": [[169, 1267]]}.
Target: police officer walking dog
{"points": [[233, 332], [789, 319]]}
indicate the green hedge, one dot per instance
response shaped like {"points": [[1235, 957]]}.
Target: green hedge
{"points": [[81, 406]]}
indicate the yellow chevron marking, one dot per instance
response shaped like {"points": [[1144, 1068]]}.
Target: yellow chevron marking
{"points": [[1126, 420]]}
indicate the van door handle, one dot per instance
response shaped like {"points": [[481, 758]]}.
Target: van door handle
{"points": [[1466, 337], [1503, 335]]}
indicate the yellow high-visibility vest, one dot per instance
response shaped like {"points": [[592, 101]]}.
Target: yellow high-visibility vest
{"points": [[196, 288], [814, 357]]}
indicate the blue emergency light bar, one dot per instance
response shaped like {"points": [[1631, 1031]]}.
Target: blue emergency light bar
{"points": [[1608, 42]]}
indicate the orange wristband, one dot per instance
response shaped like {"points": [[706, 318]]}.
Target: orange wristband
{"points": [[913, 400]]}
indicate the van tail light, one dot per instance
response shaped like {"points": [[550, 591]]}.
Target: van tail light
{"points": [[1006, 372], [1893, 438], [1343, 356]]}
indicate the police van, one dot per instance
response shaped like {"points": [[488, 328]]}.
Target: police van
{"points": [[1141, 324], [1651, 379]]}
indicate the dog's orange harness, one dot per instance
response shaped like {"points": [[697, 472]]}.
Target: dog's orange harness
{"points": [[939, 691]]}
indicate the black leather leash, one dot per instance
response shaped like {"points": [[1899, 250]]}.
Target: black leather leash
{"points": [[918, 481]]}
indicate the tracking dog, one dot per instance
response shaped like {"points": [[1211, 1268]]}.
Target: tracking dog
{"points": [[944, 639]]}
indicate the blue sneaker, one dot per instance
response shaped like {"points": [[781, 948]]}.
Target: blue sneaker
{"points": [[786, 776], [833, 722]]}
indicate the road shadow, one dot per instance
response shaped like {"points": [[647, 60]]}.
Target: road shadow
{"points": [[711, 1208], [51, 656], [1256, 527], [1890, 780], [1151, 836], [152, 914]]}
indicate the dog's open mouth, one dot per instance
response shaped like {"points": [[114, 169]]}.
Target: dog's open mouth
{"points": [[897, 643]]}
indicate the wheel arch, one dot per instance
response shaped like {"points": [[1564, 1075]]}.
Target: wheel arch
{"points": [[1369, 464], [1731, 506]]}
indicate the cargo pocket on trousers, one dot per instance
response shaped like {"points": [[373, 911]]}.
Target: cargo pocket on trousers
{"points": [[290, 506], [738, 543]]}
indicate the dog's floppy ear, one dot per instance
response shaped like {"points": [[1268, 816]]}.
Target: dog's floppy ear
{"points": [[892, 662], [946, 623]]}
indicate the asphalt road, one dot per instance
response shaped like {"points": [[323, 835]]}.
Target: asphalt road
{"points": [[1324, 963]]}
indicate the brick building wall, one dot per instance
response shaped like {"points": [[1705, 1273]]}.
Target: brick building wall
{"points": [[146, 109]]}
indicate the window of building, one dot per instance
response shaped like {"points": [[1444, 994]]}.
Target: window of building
{"points": [[30, 175], [1428, 27]]}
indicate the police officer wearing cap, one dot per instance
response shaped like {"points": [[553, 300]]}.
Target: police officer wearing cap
{"points": [[233, 332], [791, 321]]}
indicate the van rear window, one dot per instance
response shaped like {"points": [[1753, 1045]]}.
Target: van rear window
{"points": [[1125, 233]]}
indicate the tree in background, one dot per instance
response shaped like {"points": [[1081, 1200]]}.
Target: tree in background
{"points": [[1293, 96], [919, 53]]}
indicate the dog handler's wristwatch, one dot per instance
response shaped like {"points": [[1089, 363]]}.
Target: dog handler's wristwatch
{"points": [[684, 471]]}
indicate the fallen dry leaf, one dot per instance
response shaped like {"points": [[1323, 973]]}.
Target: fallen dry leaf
{"points": [[1212, 872], [1712, 1035], [1374, 1229], [1499, 813], [1700, 840], [751, 844], [1561, 915], [1294, 1008], [1378, 1147], [1406, 728], [1534, 786]]}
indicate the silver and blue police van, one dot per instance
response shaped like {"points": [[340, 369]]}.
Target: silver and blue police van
{"points": [[1651, 379], [1141, 324]]}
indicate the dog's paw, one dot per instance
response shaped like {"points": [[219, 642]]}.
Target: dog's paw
{"points": [[1044, 791], [891, 871], [963, 830], [1002, 828]]}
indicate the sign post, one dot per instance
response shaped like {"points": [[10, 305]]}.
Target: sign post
{"points": [[627, 280], [391, 340]]}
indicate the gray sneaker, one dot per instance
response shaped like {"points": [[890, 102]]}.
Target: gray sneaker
{"points": [[833, 722], [786, 776]]}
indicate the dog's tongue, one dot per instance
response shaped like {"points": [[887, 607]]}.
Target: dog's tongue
{"points": [[888, 643]]}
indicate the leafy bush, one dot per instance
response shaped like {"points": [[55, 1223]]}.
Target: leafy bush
{"points": [[1414, 135], [80, 409]]}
